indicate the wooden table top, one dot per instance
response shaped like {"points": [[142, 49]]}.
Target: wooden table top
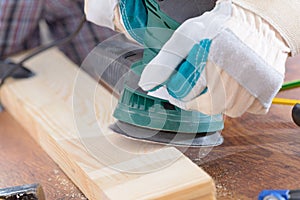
{"points": [[259, 152], [23, 161]]}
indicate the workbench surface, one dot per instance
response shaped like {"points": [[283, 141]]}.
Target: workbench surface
{"points": [[259, 152], [23, 161]]}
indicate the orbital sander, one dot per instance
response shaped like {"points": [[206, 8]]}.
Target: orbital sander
{"points": [[139, 115]]}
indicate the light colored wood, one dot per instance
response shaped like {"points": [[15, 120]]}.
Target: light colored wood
{"points": [[68, 114]]}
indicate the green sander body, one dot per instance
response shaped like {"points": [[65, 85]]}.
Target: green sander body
{"points": [[155, 119]]}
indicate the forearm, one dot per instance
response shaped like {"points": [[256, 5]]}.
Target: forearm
{"points": [[282, 15]]}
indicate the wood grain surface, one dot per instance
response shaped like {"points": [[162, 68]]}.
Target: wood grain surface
{"points": [[69, 114]]}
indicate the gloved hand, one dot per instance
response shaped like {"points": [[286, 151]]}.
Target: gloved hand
{"points": [[108, 13], [101, 12], [228, 60]]}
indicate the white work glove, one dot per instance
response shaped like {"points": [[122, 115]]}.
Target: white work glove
{"points": [[100, 12], [238, 67]]}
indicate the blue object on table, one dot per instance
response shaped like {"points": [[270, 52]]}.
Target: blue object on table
{"points": [[274, 195]]}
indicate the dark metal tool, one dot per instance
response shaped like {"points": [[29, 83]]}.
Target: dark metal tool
{"points": [[7, 67], [23, 192]]}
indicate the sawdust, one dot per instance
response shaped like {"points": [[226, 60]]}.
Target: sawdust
{"points": [[224, 184], [223, 192], [67, 190]]}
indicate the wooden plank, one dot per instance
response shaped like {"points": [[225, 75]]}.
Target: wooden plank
{"points": [[68, 114]]}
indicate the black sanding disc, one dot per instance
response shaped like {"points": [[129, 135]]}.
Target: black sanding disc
{"points": [[168, 138]]}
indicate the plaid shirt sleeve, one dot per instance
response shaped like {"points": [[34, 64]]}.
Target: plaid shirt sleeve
{"points": [[19, 26]]}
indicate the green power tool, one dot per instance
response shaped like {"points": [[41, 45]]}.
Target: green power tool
{"points": [[139, 115]]}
